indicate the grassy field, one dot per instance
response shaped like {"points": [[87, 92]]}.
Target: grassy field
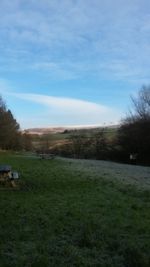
{"points": [[75, 213]]}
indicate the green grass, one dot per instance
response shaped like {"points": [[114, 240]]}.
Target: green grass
{"points": [[62, 217]]}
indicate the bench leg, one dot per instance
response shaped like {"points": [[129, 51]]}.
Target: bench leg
{"points": [[13, 184]]}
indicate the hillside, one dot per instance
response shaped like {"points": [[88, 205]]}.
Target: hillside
{"points": [[41, 131], [50, 130], [75, 213]]}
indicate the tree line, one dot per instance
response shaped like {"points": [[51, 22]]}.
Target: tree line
{"points": [[11, 137]]}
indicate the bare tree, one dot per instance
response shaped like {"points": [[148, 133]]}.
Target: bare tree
{"points": [[2, 104], [141, 103]]}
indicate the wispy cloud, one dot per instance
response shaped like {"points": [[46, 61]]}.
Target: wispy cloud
{"points": [[5, 87], [82, 33], [60, 110], [57, 69]]}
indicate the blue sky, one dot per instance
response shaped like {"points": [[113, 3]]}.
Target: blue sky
{"points": [[73, 62]]}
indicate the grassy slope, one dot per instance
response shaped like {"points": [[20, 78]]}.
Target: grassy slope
{"points": [[62, 217], [60, 138]]}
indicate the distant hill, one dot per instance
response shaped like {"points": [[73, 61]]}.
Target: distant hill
{"points": [[41, 131]]}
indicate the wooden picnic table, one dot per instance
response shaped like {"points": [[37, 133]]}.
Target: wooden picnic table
{"points": [[5, 171], [7, 175]]}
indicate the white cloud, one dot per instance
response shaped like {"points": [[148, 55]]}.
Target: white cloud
{"points": [[69, 111], [61, 102]]}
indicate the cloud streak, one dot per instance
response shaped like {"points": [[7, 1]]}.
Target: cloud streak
{"points": [[62, 110]]}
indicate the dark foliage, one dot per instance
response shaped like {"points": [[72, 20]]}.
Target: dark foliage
{"points": [[134, 133], [11, 137]]}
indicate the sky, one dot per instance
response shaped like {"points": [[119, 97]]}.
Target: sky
{"points": [[73, 62]]}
